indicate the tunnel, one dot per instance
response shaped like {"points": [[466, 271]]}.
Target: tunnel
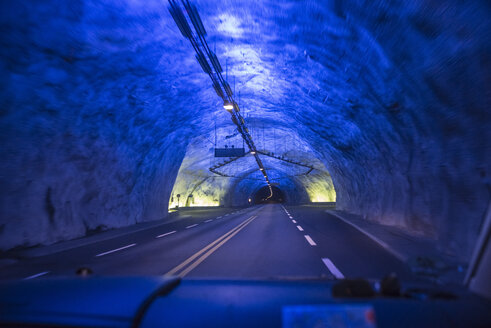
{"points": [[263, 195], [381, 107]]}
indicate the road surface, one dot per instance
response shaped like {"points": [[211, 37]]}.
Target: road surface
{"points": [[268, 241]]}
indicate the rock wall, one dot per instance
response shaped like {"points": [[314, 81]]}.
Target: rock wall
{"points": [[86, 140], [99, 100]]}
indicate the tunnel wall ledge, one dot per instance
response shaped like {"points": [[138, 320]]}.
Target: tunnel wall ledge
{"points": [[64, 245], [409, 246]]}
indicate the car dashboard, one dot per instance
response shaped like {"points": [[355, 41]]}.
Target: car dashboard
{"points": [[172, 302]]}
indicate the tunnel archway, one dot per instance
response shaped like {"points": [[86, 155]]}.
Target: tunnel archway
{"points": [[387, 111], [240, 190], [262, 196]]}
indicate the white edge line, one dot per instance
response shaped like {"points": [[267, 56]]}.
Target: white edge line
{"points": [[166, 234], [299, 228], [36, 275], [115, 250], [311, 242], [369, 235], [334, 270], [191, 226]]}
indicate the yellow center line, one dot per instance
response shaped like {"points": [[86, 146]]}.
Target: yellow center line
{"points": [[220, 241], [211, 251]]}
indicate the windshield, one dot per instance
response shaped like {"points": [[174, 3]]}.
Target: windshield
{"points": [[289, 140]]}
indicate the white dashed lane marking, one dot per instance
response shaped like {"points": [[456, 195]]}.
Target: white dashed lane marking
{"points": [[191, 226], [311, 242], [115, 250], [299, 228], [166, 234], [334, 270], [36, 275]]}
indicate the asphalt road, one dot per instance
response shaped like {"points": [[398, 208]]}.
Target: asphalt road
{"points": [[269, 241]]}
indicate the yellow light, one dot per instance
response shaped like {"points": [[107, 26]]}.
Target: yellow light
{"points": [[321, 191], [228, 106], [204, 202]]}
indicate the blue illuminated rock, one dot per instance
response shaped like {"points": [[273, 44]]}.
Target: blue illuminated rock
{"points": [[101, 101]]}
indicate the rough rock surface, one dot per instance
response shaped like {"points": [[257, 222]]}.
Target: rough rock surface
{"points": [[99, 101]]}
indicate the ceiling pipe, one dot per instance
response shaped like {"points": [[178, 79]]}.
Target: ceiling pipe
{"points": [[198, 41]]}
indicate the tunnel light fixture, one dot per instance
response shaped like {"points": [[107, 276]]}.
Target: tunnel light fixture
{"points": [[228, 105]]}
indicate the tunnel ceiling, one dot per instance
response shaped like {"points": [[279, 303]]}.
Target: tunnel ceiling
{"points": [[102, 101]]}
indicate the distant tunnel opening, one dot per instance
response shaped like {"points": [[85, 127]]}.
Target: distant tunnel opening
{"points": [[261, 196]]}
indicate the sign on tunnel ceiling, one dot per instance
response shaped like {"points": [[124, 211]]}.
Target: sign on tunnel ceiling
{"points": [[229, 152]]}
